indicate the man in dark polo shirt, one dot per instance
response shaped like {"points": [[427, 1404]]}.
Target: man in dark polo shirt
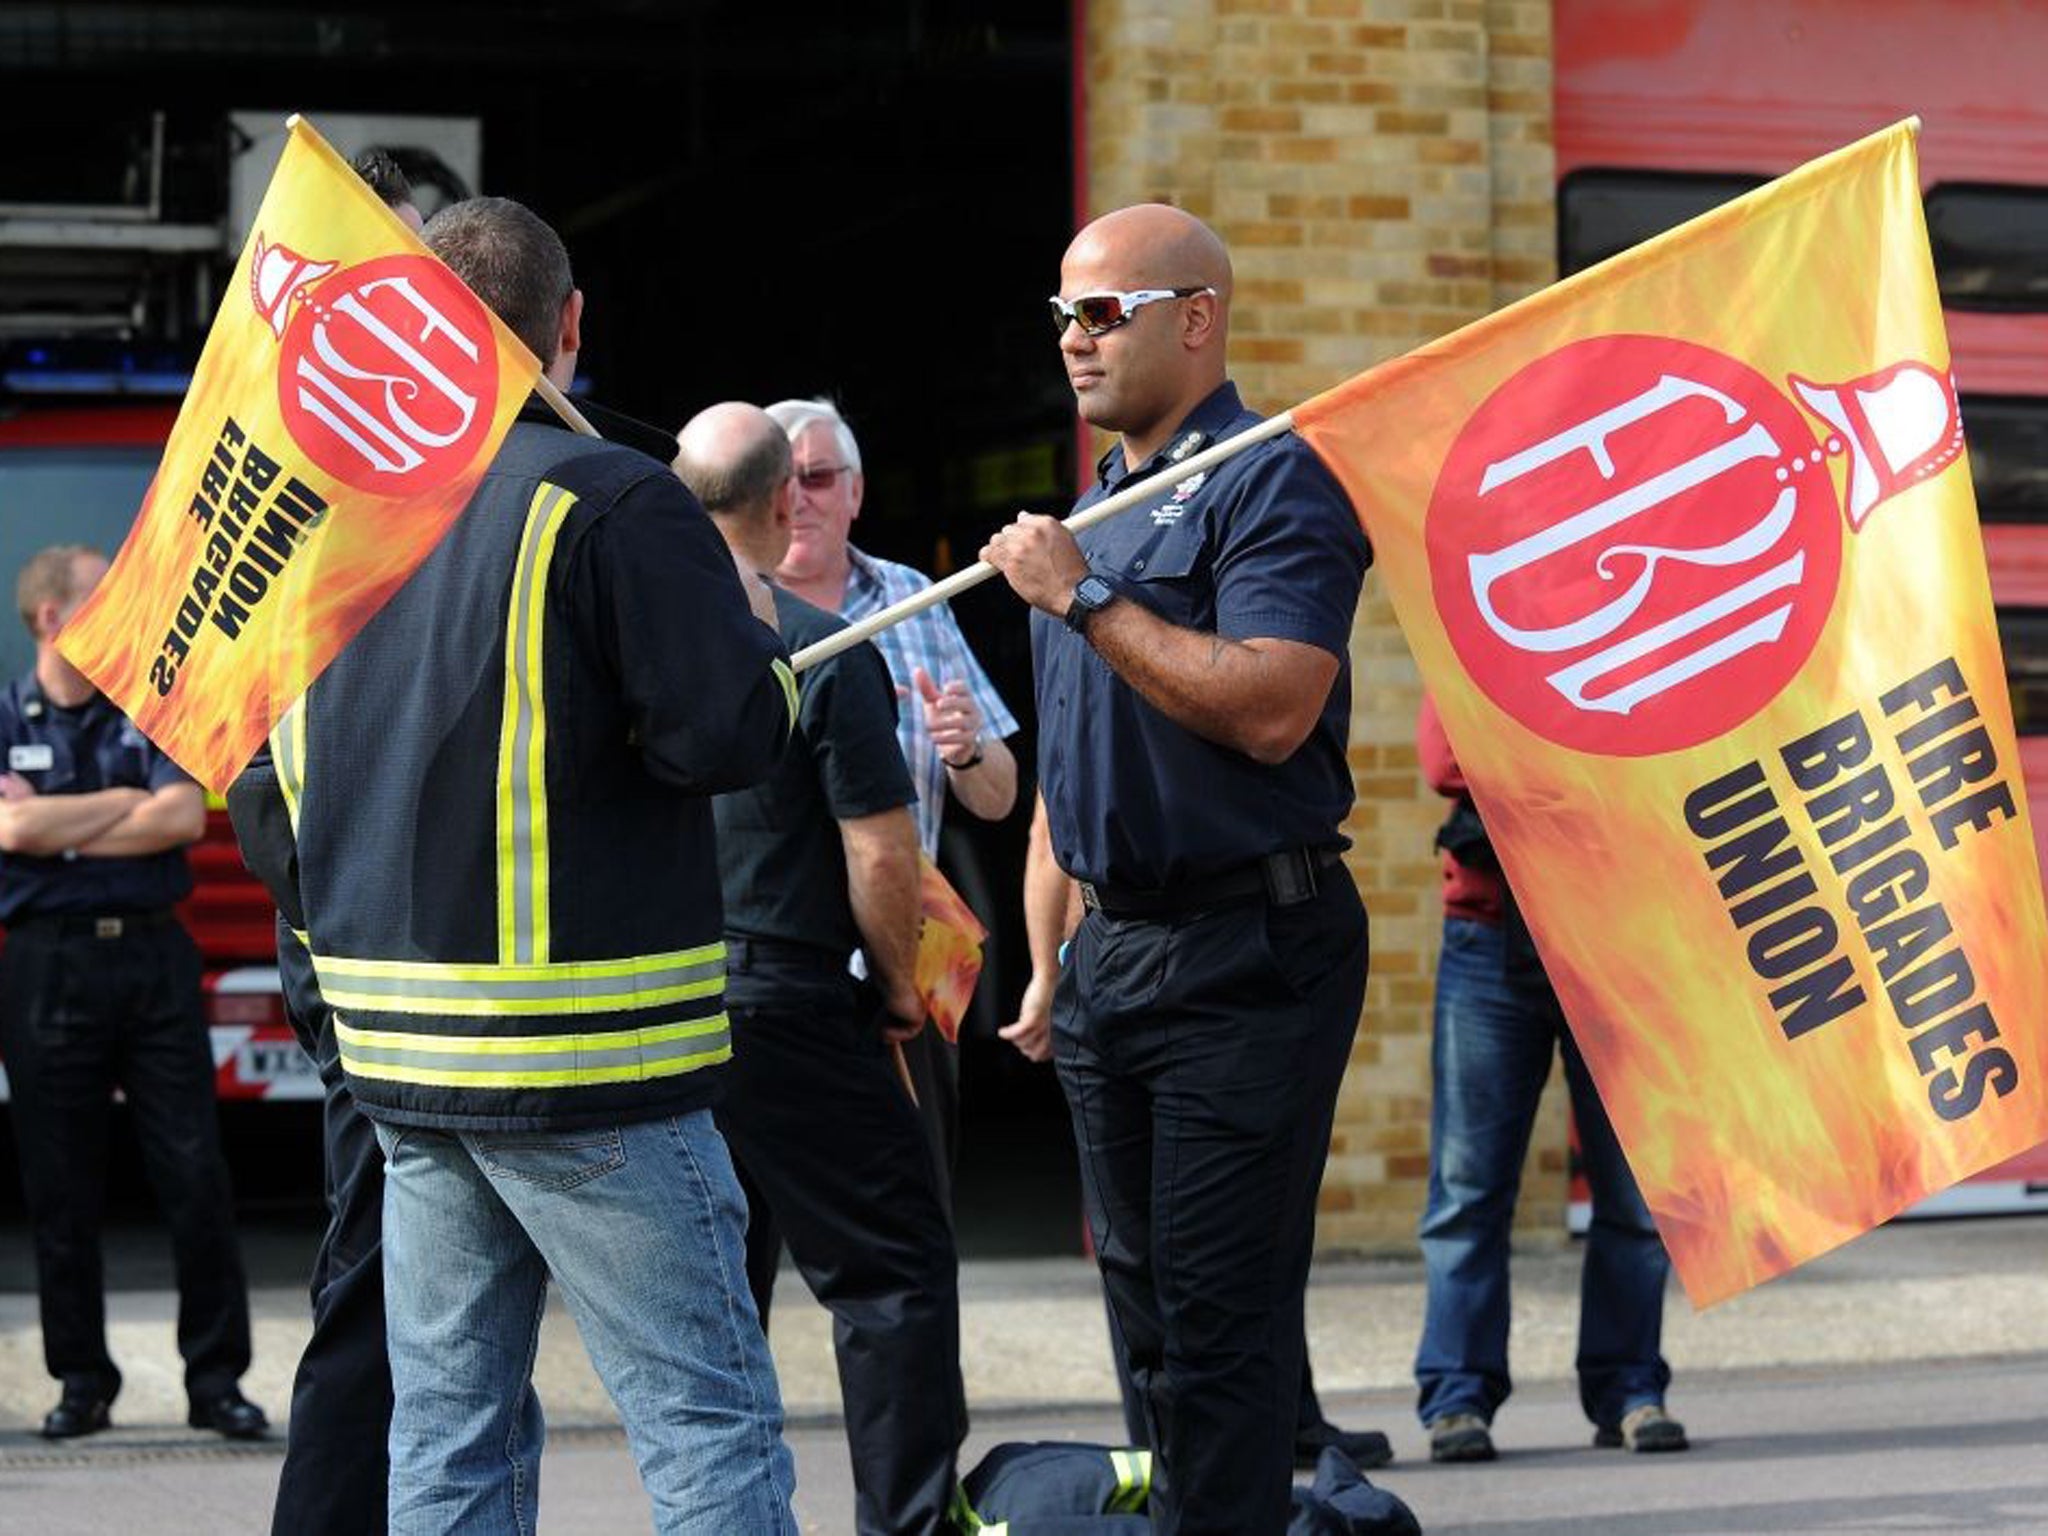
{"points": [[818, 860], [1192, 662], [99, 989]]}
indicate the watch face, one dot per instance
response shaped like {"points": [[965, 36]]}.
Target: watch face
{"points": [[1094, 591]]}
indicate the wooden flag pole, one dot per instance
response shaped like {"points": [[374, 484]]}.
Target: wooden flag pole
{"points": [[572, 418], [975, 574]]}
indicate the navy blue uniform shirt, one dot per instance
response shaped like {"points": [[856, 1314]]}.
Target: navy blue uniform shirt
{"points": [[1262, 546], [74, 752]]}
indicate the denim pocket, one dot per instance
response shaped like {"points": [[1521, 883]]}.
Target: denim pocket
{"points": [[561, 1161]]}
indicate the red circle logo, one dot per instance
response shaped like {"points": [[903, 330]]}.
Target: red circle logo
{"points": [[1634, 544], [388, 376]]}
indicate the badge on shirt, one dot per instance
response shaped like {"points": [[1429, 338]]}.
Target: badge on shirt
{"points": [[31, 757], [1186, 446], [1168, 512]]}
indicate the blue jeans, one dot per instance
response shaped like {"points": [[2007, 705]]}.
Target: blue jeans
{"points": [[1488, 1064], [643, 1226]]}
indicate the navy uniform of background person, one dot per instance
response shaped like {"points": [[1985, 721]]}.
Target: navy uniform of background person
{"points": [[99, 989], [818, 859], [1193, 709]]}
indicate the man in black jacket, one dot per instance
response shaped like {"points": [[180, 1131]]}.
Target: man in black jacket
{"points": [[505, 856]]}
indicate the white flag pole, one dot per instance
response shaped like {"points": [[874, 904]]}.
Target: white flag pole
{"points": [[975, 574]]}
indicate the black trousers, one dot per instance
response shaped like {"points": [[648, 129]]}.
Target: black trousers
{"points": [[1308, 1408], [82, 1015], [831, 1152], [1201, 1058], [336, 1462]]}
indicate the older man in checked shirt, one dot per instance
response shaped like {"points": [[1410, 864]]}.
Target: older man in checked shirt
{"points": [[953, 723]]}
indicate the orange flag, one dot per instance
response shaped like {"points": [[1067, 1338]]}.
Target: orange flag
{"points": [[948, 952], [351, 394], [1686, 549]]}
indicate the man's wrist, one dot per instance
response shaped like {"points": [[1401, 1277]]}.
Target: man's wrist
{"points": [[972, 759]]}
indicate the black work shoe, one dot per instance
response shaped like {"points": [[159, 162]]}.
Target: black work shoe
{"points": [[229, 1413], [1647, 1429], [78, 1413], [1367, 1448], [1460, 1437]]}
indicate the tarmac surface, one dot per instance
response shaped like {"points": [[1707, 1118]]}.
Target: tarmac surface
{"points": [[1899, 1385]]}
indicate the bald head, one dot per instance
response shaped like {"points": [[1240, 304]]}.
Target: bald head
{"points": [[1142, 375], [736, 460], [1157, 246]]}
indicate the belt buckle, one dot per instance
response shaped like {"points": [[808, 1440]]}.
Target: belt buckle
{"points": [[106, 927]]}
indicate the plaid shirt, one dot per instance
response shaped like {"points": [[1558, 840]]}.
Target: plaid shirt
{"points": [[931, 640]]}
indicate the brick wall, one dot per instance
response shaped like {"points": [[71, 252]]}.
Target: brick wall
{"points": [[1382, 171]]}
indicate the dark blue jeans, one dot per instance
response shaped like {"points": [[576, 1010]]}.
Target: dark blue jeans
{"points": [[1488, 1064]]}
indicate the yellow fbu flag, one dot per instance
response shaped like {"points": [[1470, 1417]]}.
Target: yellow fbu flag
{"points": [[350, 395], [1687, 552], [948, 951]]}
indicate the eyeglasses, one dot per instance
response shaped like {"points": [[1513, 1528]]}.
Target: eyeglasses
{"points": [[1100, 312], [820, 477]]}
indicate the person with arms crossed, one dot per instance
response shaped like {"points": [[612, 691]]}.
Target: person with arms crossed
{"points": [[99, 989], [1194, 702]]}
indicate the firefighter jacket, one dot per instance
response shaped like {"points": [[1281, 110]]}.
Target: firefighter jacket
{"points": [[500, 794]]}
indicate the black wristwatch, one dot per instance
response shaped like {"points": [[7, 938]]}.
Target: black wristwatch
{"points": [[1091, 596]]}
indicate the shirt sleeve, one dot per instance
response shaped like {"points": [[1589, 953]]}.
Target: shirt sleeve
{"points": [[163, 770], [849, 718], [1292, 556], [706, 685], [965, 665]]}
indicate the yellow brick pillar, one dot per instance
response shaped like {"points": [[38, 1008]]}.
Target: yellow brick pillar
{"points": [[1382, 171]]}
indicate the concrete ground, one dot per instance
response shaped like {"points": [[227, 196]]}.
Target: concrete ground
{"points": [[1900, 1384]]}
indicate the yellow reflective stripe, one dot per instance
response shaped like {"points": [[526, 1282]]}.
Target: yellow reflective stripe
{"points": [[964, 1514], [533, 1061], [341, 995], [522, 741], [525, 1045], [1144, 1461], [288, 758], [1129, 1497], [787, 678], [574, 1077]]}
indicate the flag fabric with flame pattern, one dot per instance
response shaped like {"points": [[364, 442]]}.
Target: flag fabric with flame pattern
{"points": [[350, 395], [1687, 551]]}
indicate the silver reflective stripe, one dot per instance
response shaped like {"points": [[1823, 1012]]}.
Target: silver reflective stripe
{"points": [[597, 992], [288, 758]]}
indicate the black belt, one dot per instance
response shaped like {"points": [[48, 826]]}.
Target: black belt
{"points": [[1280, 879], [745, 952], [107, 925]]}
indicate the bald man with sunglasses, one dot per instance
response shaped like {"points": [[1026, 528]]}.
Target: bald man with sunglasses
{"points": [[1194, 704]]}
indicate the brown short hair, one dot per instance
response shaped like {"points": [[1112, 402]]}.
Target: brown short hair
{"points": [[513, 261], [51, 576]]}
